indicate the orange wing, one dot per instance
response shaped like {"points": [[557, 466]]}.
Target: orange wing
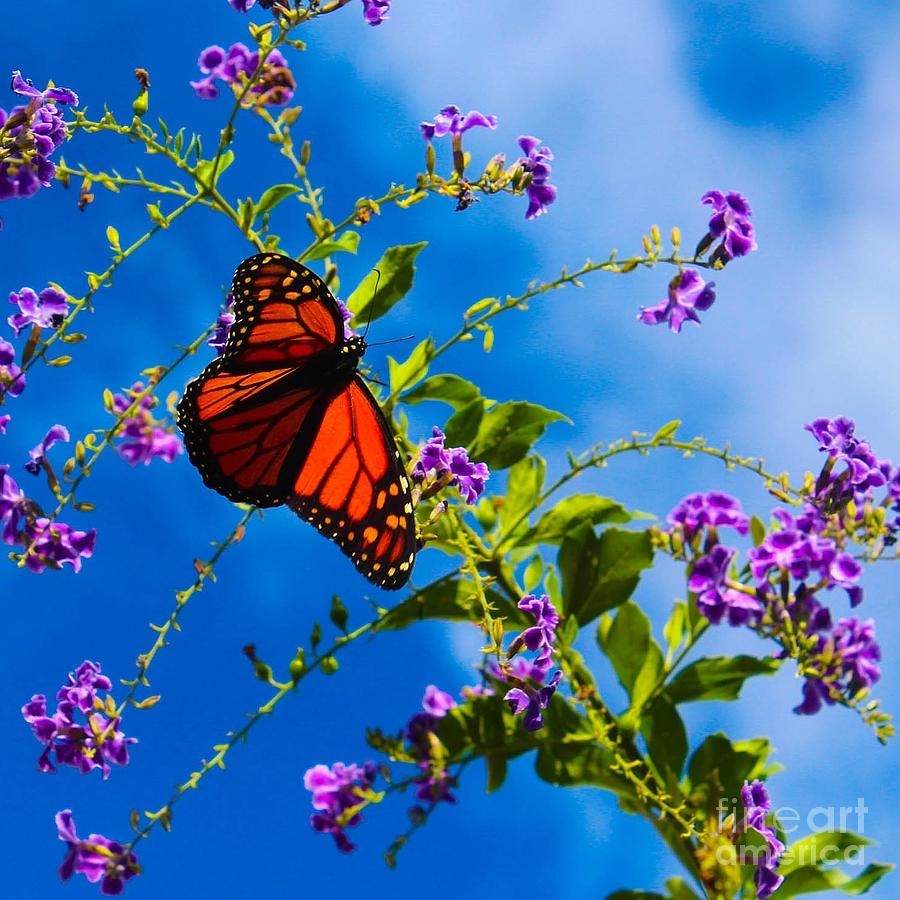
{"points": [[284, 314], [352, 486]]}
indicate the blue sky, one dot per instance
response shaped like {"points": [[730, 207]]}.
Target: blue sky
{"points": [[646, 106]]}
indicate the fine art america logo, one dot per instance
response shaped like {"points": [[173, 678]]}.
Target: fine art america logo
{"points": [[834, 835]]}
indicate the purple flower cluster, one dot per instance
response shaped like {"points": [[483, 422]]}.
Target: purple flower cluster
{"points": [[225, 320], [52, 544], [435, 782], [337, 792], [532, 691], [450, 466], [688, 292], [757, 805], [93, 744], [97, 858], [730, 224], [142, 438], [862, 471], [274, 87], [376, 11], [849, 655], [716, 599], [797, 548], [711, 511], [44, 310], [536, 163], [29, 135]]}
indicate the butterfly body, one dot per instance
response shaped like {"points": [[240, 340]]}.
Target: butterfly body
{"points": [[283, 417]]}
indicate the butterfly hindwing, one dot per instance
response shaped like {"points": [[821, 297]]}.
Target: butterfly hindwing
{"points": [[353, 488], [282, 417]]}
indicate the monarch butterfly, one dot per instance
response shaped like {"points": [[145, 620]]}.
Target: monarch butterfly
{"points": [[283, 417]]}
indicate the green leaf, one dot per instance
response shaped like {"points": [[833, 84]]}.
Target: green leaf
{"points": [[496, 771], [599, 574], [397, 272], [718, 677], [810, 879], [719, 768], [668, 431], [204, 168], [348, 242], [578, 763], [413, 369], [674, 629], [821, 847], [665, 735], [449, 389], [678, 890], [534, 571], [524, 485], [569, 513], [463, 425], [627, 643], [508, 430], [757, 530], [273, 196], [452, 600]]}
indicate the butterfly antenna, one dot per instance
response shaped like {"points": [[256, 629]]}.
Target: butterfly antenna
{"points": [[372, 304], [409, 337]]}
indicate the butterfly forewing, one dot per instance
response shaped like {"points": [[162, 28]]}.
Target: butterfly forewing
{"points": [[282, 417]]}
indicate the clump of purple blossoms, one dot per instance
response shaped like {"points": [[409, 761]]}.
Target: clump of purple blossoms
{"points": [[536, 163], [730, 224], [274, 87], [756, 802], [849, 655], [435, 782], [711, 510], [532, 692], [450, 466], [242, 6], [336, 794], [93, 744], [863, 471], [376, 11], [97, 858], [38, 456], [225, 320], [4, 421], [450, 120], [45, 310], [49, 544], [12, 378], [716, 598], [142, 438], [688, 292], [29, 134]]}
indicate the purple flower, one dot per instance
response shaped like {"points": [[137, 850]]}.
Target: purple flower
{"points": [[97, 858], [536, 162], [225, 320], [53, 544], [12, 378], [29, 134], [541, 636], [437, 702], [688, 292], [46, 310], [337, 791], [434, 785], [4, 421], [376, 11], [143, 438], [756, 802], [711, 510], [14, 506], [274, 86], [450, 120], [730, 222], [39, 453], [441, 462], [346, 315], [532, 701], [714, 598], [242, 6]]}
